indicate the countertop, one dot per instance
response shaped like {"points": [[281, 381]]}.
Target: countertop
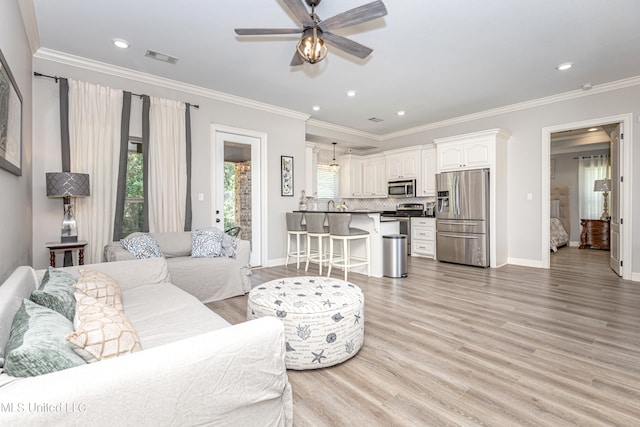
{"points": [[355, 211]]}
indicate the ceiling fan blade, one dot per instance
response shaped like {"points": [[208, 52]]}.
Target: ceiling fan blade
{"points": [[346, 45], [266, 31], [298, 8], [355, 16], [296, 60]]}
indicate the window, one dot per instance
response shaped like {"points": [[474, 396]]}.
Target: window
{"points": [[328, 183], [134, 194], [590, 169]]}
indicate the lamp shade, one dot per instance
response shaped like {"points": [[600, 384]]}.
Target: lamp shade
{"points": [[602, 185], [67, 184]]}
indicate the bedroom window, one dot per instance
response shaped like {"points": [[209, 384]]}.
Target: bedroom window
{"points": [[590, 169]]}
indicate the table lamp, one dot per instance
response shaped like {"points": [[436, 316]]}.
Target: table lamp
{"points": [[68, 185], [603, 186]]}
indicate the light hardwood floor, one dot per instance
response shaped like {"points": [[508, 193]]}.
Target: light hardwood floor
{"points": [[458, 345]]}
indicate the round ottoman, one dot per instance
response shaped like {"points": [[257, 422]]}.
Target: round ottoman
{"points": [[323, 318]]}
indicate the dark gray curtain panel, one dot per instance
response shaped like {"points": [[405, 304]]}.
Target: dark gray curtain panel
{"points": [[188, 212], [146, 103], [122, 166]]}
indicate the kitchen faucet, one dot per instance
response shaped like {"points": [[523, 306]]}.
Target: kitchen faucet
{"points": [[330, 205]]}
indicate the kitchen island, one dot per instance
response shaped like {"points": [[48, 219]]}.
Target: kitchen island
{"points": [[368, 220]]}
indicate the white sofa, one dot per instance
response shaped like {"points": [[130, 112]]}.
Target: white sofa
{"points": [[194, 367], [208, 279]]}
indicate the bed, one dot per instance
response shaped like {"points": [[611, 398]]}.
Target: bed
{"points": [[559, 218]]}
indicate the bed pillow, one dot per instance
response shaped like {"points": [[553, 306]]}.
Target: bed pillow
{"points": [[56, 292], [37, 342], [101, 331], [206, 242], [100, 286], [142, 246]]}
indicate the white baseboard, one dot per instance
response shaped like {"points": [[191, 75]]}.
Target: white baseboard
{"points": [[525, 262]]}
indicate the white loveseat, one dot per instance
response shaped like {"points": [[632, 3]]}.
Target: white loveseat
{"points": [[208, 279], [194, 368]]}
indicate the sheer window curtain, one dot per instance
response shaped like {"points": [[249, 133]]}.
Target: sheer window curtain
{"points": [[589, 170], [167, 165], [95, 114]]}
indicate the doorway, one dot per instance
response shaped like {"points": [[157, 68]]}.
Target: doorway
{"points": [[237, 187], [623, 193]]}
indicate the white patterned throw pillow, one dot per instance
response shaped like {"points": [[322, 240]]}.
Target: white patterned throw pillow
{"points": [[100, 286], [101, 331], [206, 242], [142, 246]]}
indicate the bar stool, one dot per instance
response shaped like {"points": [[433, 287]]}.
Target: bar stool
{"points": [[295, 228], [316, 229], [340, 231]]}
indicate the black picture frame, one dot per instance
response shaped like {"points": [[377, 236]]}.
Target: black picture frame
{"points": [[10, 121], [286, 176]]}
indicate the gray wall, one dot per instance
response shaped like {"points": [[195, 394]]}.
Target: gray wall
{"points": [[285, 135], [15, 192]]}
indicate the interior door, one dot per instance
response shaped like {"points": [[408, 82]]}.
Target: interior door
{"points": [[616, 173]]}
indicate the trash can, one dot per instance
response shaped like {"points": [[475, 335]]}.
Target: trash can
{"points": [[394, 253]]}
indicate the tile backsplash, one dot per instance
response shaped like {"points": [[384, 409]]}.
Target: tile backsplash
{"points": [[383, 204]]}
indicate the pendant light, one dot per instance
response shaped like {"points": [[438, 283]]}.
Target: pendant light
{"points": [[334, 166]]}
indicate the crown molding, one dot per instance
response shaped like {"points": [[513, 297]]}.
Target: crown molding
{"points": [[30, 22], [101, 67], [343, 129], [605, 87]]}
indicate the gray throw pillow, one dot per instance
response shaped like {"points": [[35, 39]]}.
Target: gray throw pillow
{"points": [[56, 292], [142, 246], [229, 246], [206, 242], [37, 343]]}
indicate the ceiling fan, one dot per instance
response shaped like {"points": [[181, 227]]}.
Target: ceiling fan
{"points": [[316, 34]]}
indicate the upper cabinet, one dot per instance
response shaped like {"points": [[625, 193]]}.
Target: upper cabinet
{"points": [[471, 154], [403, 164], [374, 183], [350, 176], [428, 171]]}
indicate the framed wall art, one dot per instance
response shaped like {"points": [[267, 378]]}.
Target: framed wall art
{"points": [[10, 121], [286, 167]]}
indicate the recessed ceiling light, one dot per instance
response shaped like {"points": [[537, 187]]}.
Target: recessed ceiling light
{"points": [[316, 108], [351, 93], [564, 66], [592, 129], [400, 113], [122, 44]]}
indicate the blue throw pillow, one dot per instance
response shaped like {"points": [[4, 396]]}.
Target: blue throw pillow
{"points": [[142, 246]]}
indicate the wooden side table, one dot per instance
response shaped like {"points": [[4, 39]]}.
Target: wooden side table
{"points": [[68, 246], [595, 234]]}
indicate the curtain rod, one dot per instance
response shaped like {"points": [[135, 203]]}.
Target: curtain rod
{"points": [[56, 78], [589, 157]]}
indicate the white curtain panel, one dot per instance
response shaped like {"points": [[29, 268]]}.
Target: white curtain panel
{"points": [[589, 170], [95, 113], [167, 165]]}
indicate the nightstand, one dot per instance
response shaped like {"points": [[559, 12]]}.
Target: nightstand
{"points": [[595, 234]]}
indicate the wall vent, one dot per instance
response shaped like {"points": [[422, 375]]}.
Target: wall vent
{"points": [[375, 120], [161, 57]]}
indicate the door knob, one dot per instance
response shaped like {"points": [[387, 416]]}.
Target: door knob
{"points": [[217, 219]]}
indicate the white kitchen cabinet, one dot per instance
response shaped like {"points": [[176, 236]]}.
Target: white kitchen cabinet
{"points": [[429, 166], [403, 164], [472, 154], [374, 183], [423, 237], [350, 176]]}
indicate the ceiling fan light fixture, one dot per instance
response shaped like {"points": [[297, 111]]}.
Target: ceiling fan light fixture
{"points": [[311, 46]]}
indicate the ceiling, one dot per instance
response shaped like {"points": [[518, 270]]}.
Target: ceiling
{"points": [[435, 60]]}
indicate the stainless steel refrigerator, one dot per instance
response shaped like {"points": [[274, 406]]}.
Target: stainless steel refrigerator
{"points": [[462, 217]]}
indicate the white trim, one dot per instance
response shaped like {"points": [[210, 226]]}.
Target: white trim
{"points": [[524, 262], [30, 22], [344, 129], [625, 170], [101, 67], [263, 200]]}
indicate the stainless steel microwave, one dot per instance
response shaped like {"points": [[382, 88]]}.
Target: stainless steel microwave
{"points": [[402, 188]]}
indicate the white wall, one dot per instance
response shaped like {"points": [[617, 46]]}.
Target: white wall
{"points": [[285, 135], [15, 191]]}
